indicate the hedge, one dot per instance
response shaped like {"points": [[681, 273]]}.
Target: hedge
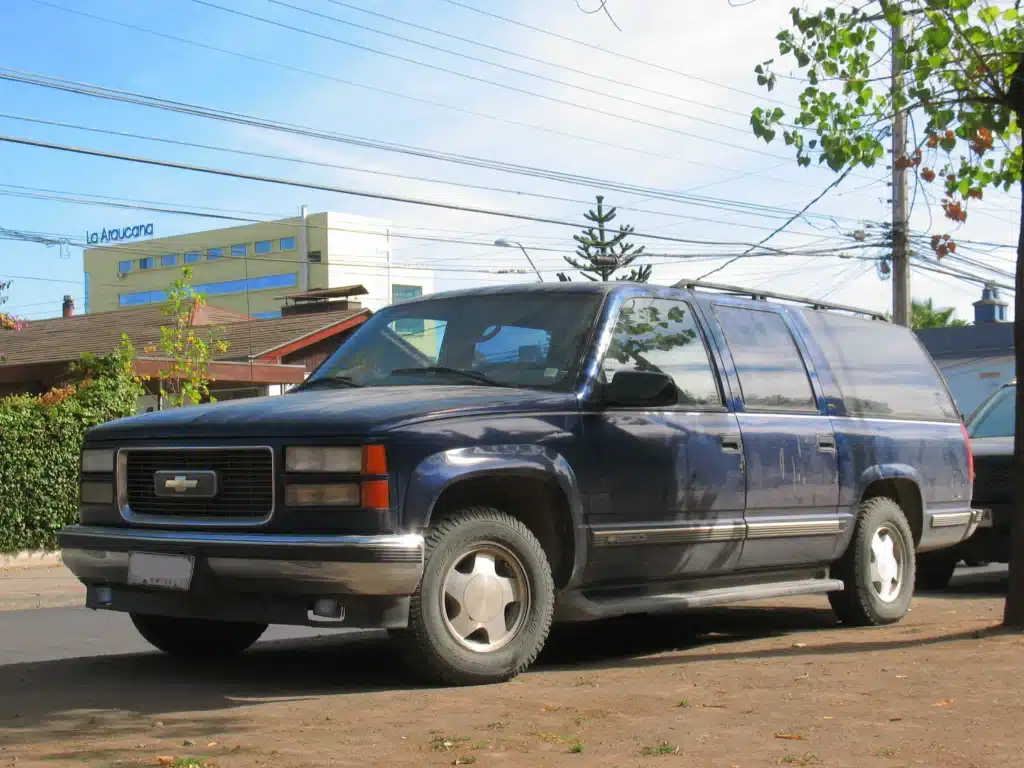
{"points": [[40, 444]]}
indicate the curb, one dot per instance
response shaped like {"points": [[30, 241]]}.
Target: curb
{"points": [[29, 559]]}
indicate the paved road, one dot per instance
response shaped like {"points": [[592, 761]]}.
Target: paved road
{"points": [[49, 634]]}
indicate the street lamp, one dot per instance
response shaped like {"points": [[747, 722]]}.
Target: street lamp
{"points": [[502, 242]]}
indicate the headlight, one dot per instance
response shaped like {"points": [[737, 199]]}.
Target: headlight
{"points": [[98, 460], [346, 495], [325, 459]]}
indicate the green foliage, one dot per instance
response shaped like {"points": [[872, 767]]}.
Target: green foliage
{"points": [[924, 315], [960, 59], [40, 444], [601, 253], [641, 330], [185, 379]]}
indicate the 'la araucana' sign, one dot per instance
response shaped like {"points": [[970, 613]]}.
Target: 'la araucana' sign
{"points": [[116, 235]]}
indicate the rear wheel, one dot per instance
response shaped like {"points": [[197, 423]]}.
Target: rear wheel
{"points": [[877, 568], [485, 603], [197, 638]]}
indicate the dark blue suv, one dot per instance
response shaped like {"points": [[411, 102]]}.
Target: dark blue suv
{"points": [[472, 466]]}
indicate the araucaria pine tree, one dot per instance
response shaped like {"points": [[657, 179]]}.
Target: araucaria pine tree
{"points": [[602, 251]]}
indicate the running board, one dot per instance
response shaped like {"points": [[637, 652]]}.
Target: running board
{"points": [[581, 606]]}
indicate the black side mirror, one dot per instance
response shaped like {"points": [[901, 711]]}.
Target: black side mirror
{"points": [[641, 388]]}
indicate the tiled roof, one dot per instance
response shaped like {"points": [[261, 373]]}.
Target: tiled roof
{"points": [[968, 341], [66, 339]]}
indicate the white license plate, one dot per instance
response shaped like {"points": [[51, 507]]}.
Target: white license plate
{"points": [[163, 571]]}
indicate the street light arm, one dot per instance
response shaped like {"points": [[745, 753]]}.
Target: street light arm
{"points": [[502, 242]]}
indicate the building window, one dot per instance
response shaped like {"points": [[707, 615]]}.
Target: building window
{"points": [[239, 250], [264, 246], [402, 293], [266, 315], [169, 260], [405, 292], [192, 257], [313, 257], [214, 253], [124, 266], [147, 263], [287, 243], [268, 282]]}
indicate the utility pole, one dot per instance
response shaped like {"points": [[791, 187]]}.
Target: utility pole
{"points": [[900, 250]]}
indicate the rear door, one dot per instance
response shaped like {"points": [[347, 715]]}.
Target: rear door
{"points": [[792, 472]]}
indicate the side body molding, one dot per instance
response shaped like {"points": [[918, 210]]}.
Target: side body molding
{"points": [[441, 470]]}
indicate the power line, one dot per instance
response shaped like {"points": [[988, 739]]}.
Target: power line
{"points": [[102, 92], [604, 94], [590, 47], [486, 81], [480, 44], [387, 92], [338, 190]]}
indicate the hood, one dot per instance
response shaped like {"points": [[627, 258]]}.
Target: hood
{"points": [[335, 413], [992, 446]]}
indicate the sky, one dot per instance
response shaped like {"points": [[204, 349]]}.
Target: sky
{"points": [[662, 103]]}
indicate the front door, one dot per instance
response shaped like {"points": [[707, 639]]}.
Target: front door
{"points": [[668, 481], [792, 473]]}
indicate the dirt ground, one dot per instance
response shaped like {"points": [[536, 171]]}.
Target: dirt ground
{"points": [[761, 685]]}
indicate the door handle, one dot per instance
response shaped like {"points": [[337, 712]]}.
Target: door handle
{"points": [[732, 444], [826, 443]]}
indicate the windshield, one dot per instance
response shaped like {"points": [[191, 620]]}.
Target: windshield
{"points": [[510, 339], [996, 418]]}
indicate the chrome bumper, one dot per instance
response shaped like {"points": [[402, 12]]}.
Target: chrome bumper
{"points": [[949, 528], [385, 565]]}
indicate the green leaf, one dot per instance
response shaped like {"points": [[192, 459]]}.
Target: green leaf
{"points": [[989, 14], [1010, 14]]}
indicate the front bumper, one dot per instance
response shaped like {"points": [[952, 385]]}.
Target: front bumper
{"points": [[260, 577]]}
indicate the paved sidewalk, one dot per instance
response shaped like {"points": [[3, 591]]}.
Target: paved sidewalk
{"points": [[39, 587]]}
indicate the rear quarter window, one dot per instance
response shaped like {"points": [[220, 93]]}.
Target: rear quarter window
{"points": [[882, 369]]}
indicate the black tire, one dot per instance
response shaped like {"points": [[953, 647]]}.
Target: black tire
{"points": [[197, 638], [935, 570], [430, 648], [860, 604]]}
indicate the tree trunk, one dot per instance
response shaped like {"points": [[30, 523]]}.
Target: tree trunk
{"points": [[1013, 614]]}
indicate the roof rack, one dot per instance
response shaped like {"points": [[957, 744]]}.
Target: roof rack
{"points": [[760, 295]]}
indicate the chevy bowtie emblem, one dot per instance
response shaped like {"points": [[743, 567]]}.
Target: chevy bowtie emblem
{"points": [[180, 484]]}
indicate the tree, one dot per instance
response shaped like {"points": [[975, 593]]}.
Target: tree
{"points": [[964, 78], [924, 315], [602, 253], [186, 379], [7, 322]]}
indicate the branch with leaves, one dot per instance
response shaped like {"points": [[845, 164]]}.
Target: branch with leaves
{"points": [[7, 322], [186, 379]]}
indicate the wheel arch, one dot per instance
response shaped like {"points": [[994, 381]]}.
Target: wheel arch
{"points": [[901, 484], [532, 483]]}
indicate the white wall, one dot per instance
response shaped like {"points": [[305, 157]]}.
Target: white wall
{"points": [[363, 258], [971, 381]]}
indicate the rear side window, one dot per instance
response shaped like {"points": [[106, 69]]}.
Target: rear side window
{"points": [[882, 369], [771, 371]]}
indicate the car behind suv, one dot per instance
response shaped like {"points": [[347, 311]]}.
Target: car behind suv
{"points": [[471, 466], [991, 429]]}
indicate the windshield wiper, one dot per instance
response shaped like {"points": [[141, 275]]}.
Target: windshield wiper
{"points": [[331, 382], [476, 376]]}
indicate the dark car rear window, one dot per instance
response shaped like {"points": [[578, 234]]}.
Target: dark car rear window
{"points": [[882, 369]]}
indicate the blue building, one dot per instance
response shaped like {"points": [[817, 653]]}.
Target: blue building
{"points": [[975, 359]]}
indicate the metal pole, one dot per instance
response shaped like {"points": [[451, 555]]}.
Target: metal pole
{"points": [[527, 255], [900, 256]]}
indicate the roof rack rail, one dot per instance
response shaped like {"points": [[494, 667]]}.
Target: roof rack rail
{"points": [[760, 295]]}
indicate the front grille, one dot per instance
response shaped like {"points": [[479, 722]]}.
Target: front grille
{"points": [[245, 483]]}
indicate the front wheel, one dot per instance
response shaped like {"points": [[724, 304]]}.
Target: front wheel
{"points": [[197, 638], [878, 567], [485, 603]]}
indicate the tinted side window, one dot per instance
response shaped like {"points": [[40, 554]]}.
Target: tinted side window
{"points": [[771, 371], [882, 369], [661, 335], [997, 417]]}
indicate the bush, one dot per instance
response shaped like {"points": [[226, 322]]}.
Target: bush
{"points": [[40, 444]]}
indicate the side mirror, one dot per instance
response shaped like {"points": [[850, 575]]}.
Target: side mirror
{"points": [[641, 388]]}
